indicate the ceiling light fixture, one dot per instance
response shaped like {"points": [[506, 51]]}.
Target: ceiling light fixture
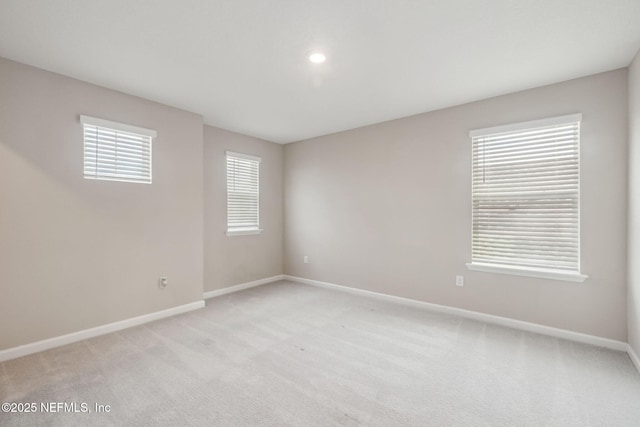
{"points": [[317, 57]]}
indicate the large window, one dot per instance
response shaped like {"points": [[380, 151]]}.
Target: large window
{"points": [[243, 194], [115, 151], [526, 199]]}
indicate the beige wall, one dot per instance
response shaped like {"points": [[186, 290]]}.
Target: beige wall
{"points": [[633, 293], [387, 208], [78, 253], [384, 208], [239, 259]]}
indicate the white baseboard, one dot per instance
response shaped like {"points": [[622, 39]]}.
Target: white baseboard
{"points": [[634, 357], [242, 286], [488, 318], [61, 340]]}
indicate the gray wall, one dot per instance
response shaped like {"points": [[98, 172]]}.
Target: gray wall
{"points": [[240, 259], [384, 208], [76, 253], [633, 296], [387, 208]]}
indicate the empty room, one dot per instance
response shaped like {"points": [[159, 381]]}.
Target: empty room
{"points": [[320, 213]]}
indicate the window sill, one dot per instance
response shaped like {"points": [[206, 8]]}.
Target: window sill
{"points": [[528, 272], [244, 231]]}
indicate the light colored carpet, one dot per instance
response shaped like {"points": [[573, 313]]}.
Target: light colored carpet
{"points": [[286, 354]]}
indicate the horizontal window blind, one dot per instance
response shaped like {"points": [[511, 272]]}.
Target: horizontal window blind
{"points": [[526, 195], [243, 192], [116, 152]]}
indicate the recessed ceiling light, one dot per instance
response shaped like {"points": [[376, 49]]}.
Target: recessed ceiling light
{"points": [[317, 57]]}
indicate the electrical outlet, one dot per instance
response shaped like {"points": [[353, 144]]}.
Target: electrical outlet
{"points": [[163, 282], [460, 281], [306, 259]]}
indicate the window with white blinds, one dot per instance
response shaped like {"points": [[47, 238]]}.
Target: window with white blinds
{"points": [[243, 194], [116, 151], [526, 198]]}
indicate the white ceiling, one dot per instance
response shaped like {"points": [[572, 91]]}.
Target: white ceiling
{"points": [[243, 64]]}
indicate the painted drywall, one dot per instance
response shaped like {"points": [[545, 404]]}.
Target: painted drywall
{"points": [[77, 253], [387, 208], [233, 260], [633, 291]]}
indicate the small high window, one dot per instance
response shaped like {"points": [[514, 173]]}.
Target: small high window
{"points": [[116, 152]]}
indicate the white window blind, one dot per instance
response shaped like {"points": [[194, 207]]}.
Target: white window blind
{"points": [[243, 194], [526, 196], [115, 151]]}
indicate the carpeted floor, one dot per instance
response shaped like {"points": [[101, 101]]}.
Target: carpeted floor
{"points": [[286, 354]]}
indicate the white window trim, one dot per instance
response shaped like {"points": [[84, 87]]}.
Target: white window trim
{"points": [[577, 117], [117, 126], [243, 156], [578, 277], [527, 272], [248, 230]]}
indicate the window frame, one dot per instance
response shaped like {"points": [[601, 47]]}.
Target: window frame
{"points": [[525, 270], [122, 129], [243, 230]]}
